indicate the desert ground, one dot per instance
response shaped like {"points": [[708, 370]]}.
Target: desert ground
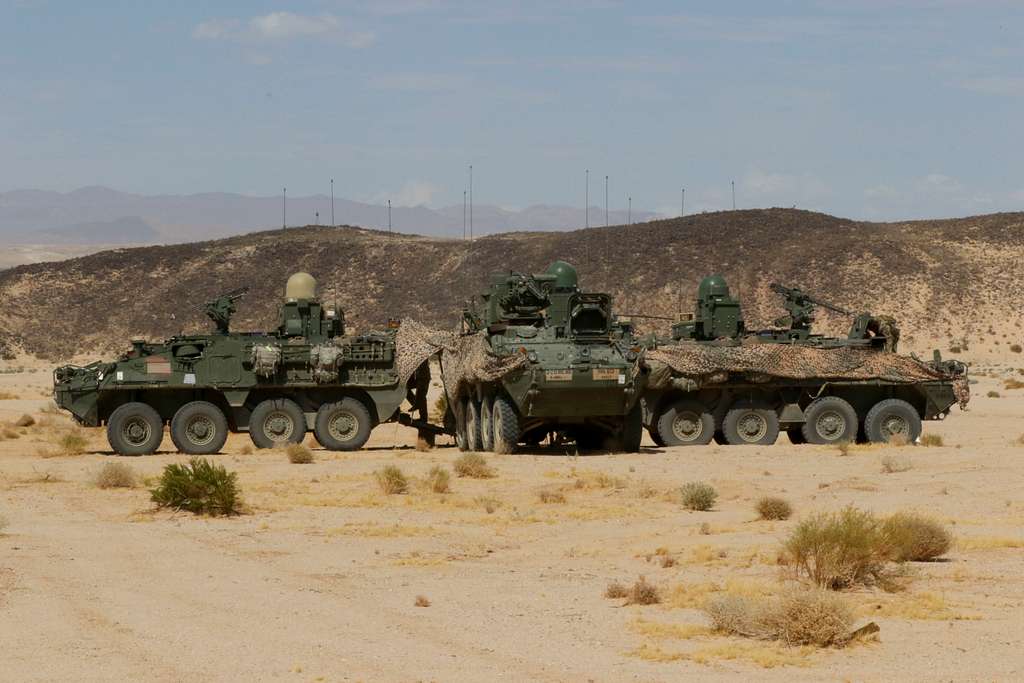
{"points": [[319, 580]]}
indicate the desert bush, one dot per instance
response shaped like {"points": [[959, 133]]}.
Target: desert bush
{"points": [[473, 465], [1016, 348], [643, 593], [914, 538], [549, 496], [696, 495], [489, 503], [198, 486], [9, 433], [25, 421], [932, 440], [993, 394], [772, 507], [422, 601], [616, 590], [116, 475], [896, 463], [797, 617], [438, 480], [838, 549], [72, 443], [1013, 383], [391, 480], [298, 454]]}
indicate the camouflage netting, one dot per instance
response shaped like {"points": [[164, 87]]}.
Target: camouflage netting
{"points": [[691, 366], [415, 343]]}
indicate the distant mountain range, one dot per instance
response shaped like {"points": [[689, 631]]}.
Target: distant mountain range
{"points": [[100, 215]]}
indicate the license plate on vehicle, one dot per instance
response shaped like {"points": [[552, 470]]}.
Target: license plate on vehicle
{"points": [[606, 373], [558, 375]]}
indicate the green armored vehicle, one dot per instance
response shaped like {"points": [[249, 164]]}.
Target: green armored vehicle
{"points": [[308, 374], [716, 379], [542, 358]]}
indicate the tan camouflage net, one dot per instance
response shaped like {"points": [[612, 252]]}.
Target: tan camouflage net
{"points": [[416, 343], [691, 366]]}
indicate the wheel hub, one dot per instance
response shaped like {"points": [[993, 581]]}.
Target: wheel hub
{"points": [[687, 426], [893, 425], [136, 431], [343, 426], [752, 427], [201, 430], [278, 426], [830, 425]]}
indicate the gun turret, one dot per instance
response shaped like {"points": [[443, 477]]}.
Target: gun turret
{"points": [[222, 308], [800, 306]]}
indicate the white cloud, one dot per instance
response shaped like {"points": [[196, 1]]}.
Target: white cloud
{"points": [[283, 26], [413, 193]]}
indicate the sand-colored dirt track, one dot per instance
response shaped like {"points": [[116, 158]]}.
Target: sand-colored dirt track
{"points": [[318, 581]]}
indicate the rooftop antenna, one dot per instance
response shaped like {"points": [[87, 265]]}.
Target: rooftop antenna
{"points": [[317, 218], [606, 201], [332, 203], [284, 208], [586, 201], [733, 194]]}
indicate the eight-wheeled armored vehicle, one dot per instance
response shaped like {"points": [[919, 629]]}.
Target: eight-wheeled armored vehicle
{"points": [[715, 379], [542, 358], [308, 374]]}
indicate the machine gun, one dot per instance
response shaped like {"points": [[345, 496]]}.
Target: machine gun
{"points": [[222, 308], [800, 306], [523, 298]]}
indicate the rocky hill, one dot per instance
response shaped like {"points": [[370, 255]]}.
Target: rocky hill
{"points": [[944, 280]]}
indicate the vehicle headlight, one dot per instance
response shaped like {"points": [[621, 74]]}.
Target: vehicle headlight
{"points": [[532, 356]]}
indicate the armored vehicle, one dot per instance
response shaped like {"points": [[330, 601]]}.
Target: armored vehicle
{"points": [[542, 358], [716, 379], [308, 374]]}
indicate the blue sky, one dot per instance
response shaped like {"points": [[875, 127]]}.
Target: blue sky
{"points": [[872, 109]]}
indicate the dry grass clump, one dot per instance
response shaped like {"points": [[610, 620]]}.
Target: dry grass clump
{"points": [[25, 421], [298, 454], [892, 464], [72, 442], [838, 549], [993, 394], [915, 538], [797, 617], [548, 496], [116, 475], [643, 593], [772, 507], [616, 590], [8, 396], [473, 465], [1013, 383], [1016, 348], [422, 601], [932, 440], [696, 495], [438, 480], [199, 487], [391, 480], [490, 504], [9, 433]]}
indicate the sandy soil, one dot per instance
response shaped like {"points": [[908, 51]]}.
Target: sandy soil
{"points": [[319, 580]]}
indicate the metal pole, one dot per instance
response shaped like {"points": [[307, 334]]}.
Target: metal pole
{"points": [[733, 194], [682, 204], [317, 214], [629, 214], [463, 214], [284, 209], [332, 203], [389, 216], [606, 201], [587, 199], [471, 202]]}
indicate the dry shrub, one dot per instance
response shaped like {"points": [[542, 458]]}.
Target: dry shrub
{"points": [[200, 487], [116, 475], [643, 593], [72, 442], [616, 590], [438, 480], [549, 496], [25, 421], [489, 503], [391, 480], [932, 440], [1016, 348], [772, 507], [645, 490], [1013, 383], [993, 394], [915, 538], [667, 561], [797, 617], [838, 549], [473, 465], [298, 454], [896, 463], [422, 601], [8, 396], [696, 495], [9, 433]]}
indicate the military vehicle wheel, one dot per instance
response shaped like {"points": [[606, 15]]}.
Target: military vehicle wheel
{"points": [[486, 424], [830, 419], [719, 438], [892, 417], [686, 423], [277, 422], [135, 429], [632, 431], [747, 424], [505, 425], [796, 435], [199, 428], [655, 437], [343, 426], [460, 427], [472, 425]]}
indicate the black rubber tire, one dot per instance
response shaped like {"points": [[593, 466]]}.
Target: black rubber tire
{"points": [[742, 417], [460, 427], [830, 420], [686, 418], [885, 415], [357, 425], [505, 425], [655, 437], [486, 422], [796, 436], [473, 425], [142, 420], [719, 438], [277, 408], [199, 428], [632, 431]]}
